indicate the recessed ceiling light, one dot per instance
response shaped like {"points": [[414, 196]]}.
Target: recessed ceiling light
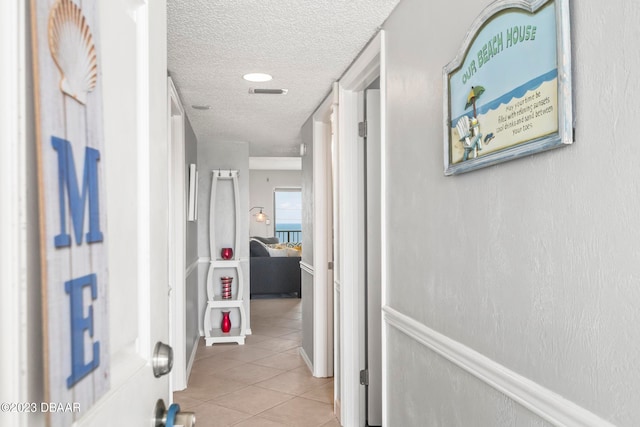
{"points": [[257, 77], [201, 107]]}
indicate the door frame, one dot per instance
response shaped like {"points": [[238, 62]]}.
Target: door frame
{"points": [[323, 238], [15, 313], [366, 68], [177, 235]]}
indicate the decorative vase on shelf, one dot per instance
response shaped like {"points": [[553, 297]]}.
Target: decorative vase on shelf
{"points": [[226, 287], [226, 322], [226, 253]]}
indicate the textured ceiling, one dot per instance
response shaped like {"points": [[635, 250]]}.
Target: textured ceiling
{"points": [[305, 45]]}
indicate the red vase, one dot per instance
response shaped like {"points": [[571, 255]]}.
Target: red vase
{"points": [[226, 322], [226, 253]]}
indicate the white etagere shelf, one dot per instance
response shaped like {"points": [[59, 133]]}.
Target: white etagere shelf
{"points": [[219, 268]]}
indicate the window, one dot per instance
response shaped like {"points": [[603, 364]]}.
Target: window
{"points": [[288, 214]]}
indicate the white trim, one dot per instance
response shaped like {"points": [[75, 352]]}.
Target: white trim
{"points": [[306, 358], [307, 268], [177, 235], [322, 242], [14, 368], [362, 72], [192, 267], [192, 359], [275, 163], [383, 219], [541, 401]]}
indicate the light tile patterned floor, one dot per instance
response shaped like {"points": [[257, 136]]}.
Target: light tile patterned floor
{"points": [[264, 383]]}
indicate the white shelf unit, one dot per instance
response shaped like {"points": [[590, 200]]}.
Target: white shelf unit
{"points": [[219, 268]]}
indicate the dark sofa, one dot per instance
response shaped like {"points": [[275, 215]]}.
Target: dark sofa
{"points": [[272, 275]]}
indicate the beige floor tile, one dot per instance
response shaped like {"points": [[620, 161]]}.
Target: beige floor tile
{"points": [[186, 403], [211, 365], [293, 383], [255, 338], [212, 415], [294, 351], [283, 361], [250, 373], [324, 393], [303, 370], [278, 345], [333, 423], [294, 336], [246, 353], [287, 323], [259, 422], [221, 390], [253, 400], [212, 350], [212, 388], [272, 330], [300, 412]]}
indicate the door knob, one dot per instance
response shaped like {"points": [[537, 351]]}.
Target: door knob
{"points": [[162, 361], [172, 417]]}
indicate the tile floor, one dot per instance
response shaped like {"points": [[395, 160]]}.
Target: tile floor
{"points": [[264, 383]]}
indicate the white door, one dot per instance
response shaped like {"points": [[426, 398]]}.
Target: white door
{"points": [[137, 195], [137, 205], [374, 257]]}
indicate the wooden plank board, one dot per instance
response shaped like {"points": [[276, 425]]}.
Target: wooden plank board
{"points": [[70, 146]]}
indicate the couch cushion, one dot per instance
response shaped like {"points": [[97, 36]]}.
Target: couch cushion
{"points": [[257, 249], [266, 240]]}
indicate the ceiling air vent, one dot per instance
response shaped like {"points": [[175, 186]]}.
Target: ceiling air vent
{"points": [[269, 91]]}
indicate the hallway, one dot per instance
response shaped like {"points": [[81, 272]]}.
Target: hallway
{"points": [[264, 383]]}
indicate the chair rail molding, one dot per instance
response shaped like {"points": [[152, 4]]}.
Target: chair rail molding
{"points": [[307, 268], [541, 401]]}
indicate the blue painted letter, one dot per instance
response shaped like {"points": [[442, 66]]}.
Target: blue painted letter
{"points": [[79, 325], [77, 201]]}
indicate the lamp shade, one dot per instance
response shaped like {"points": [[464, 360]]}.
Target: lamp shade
{"points": [[260, 216]]}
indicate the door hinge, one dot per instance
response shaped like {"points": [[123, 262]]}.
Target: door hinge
{"points": [[330, 265], [364, 377], [362, 129]]}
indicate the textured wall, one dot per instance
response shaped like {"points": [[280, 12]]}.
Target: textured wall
{"points": [[533, 263], [261, 186], [191, 156], [192, 321]]}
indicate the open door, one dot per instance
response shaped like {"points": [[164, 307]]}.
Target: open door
{"points": [[105, 279]]}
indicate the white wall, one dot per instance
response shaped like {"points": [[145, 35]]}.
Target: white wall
{"points": [[262, 184], [533, 263]]}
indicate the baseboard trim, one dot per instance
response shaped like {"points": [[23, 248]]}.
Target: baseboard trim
{"points": [[306, 359], [192, 359], [541, 401]]}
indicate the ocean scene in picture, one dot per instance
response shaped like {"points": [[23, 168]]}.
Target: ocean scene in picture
{"points": [[288, 227], [505, 92], [288, 215]]}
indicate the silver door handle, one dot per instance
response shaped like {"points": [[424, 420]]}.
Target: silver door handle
{"points": [[172, 417], [162, 361]]}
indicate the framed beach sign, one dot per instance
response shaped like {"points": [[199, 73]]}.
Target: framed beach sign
{"points": [[508, 90]]}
